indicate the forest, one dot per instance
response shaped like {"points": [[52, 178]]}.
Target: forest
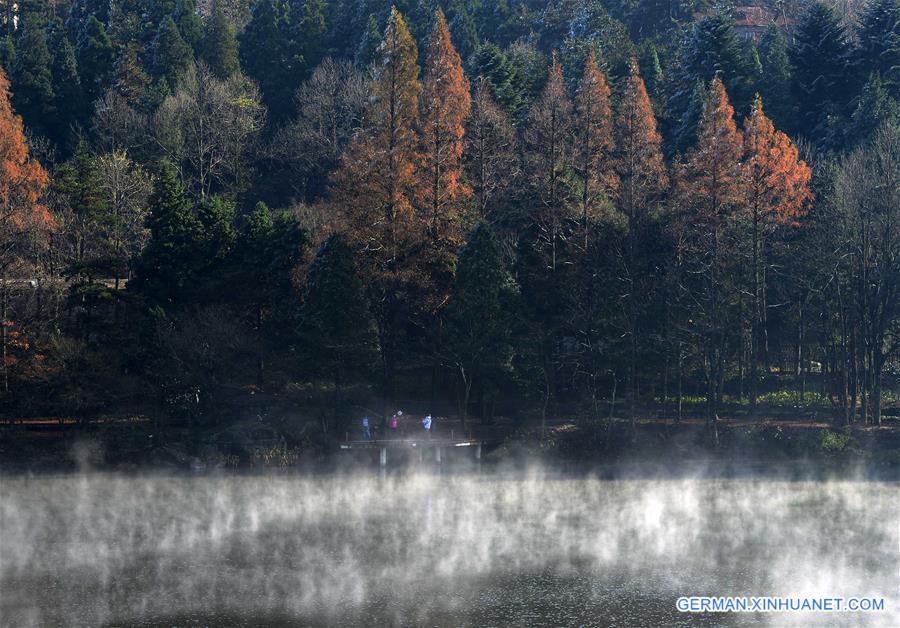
{"points": [[479, 208]]}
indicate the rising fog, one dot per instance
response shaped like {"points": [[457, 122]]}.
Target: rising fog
{"points": [[438, 549]]}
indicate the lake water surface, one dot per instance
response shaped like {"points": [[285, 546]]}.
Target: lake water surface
{"points": [[424, 548]]}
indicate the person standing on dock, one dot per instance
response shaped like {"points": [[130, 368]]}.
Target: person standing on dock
{"points": [[426, 423], [367, 432], [394, 423]]}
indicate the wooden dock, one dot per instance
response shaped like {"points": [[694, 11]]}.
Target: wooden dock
{"points": [[436, 445]]}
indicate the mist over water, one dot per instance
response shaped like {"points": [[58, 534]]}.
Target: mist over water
{"points": [[439, 549]]}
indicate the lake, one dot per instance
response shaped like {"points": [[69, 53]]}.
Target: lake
{"points": [[441, 549]]}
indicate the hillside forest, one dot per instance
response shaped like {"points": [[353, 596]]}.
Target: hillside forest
{"points": [[480, 208]]}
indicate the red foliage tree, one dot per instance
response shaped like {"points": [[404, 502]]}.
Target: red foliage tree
{"points": [[25, 222], [548, 142], [709, 190], [446, 104], [642, 177], [377, 186], [776, 189], [594, 132]]}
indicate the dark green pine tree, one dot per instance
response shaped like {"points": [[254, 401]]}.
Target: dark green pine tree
{"points": [[34, 13], [879, 43], [336, 332], [152, 17], [529, 73], [775, 88], [32, 82], [263, 53], [96, 58], [876, 107], [291, 26], [166, 268], [368, 43], [216, 215], [159, 10], [311, 33], [463, 30], [82, 10], [219, 47], [267, 251], [479, 316], [189, 23], [491, 18], [820, 57], [7, 55], [651, 70], [171, 54], [216, 244], [713, 48], [347, 21], [79, 180], [67, 90], [490, 62], [754, 64], [686, 131]]}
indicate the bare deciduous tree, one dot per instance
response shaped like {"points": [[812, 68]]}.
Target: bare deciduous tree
{"points": [[126, 187], [208, 128], [490, 154], [867, 193], [330, 107]]}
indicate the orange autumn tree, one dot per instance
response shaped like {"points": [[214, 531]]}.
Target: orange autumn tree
{"points": [[376, 188], [594, 131], [776, 187], [490, 152], [642, 178], [638, 155], [446, 104], [709, 190], [548, 143], [25, 222]]}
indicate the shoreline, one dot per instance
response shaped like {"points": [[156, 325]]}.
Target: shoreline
{"points": [[662, 465], [794, 448]]}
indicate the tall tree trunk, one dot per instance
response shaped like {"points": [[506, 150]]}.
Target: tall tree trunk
{"points": [[801, 355], [612, 408], [545, 404], [466, 381], [665, 394], [680, 401], [633, 322], [755, 326], [854, 372], [876, 387], [4, 297]]}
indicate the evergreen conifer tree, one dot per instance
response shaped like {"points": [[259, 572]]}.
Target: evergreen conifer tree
{"points": [[879, 43], [95, 59], [219, 47], [166, 268], [33, 96], [775, 86], [172, 56], [820, 57], [337, 332]]}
